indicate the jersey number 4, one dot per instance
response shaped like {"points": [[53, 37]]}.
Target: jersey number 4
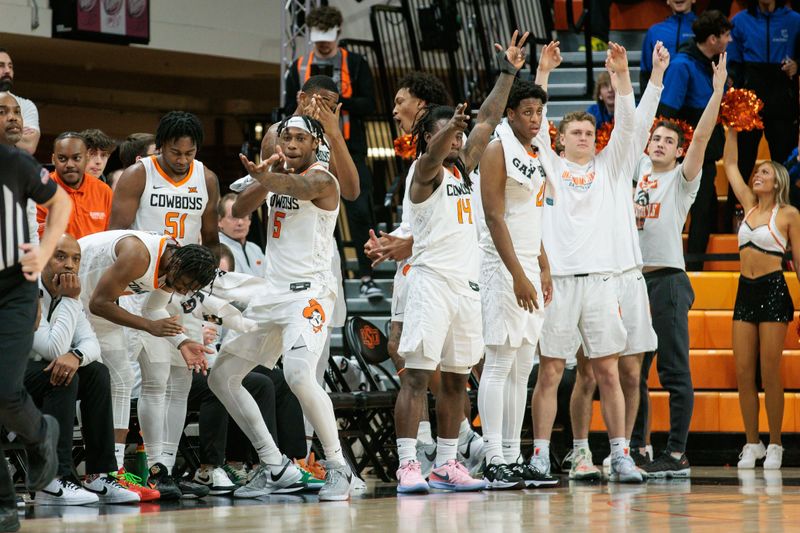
{"points": [[176, 224], [464, 208], [276, 224]]}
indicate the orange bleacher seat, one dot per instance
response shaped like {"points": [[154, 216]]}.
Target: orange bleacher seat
{"points": [[712, 330], [717, 290], [719, 243], [730, 416]]}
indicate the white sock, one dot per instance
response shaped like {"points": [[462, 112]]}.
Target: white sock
{"points": [[406, 450], [577, 444], [541, 447], [493, 447], [168, 454], [511, 451], [617, 446], [446, 450], [464, 431], [119, 453], [424, 434], [268, 453]]}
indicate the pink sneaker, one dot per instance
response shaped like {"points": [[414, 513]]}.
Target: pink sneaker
{"points": [[454, 476], [409, 478]]}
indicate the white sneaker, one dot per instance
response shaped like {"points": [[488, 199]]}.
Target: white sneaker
{"points": [[108, 490], [541, 462], [471, 452], [750, 454], [774, 457], [607, 466], [581, 465], [624, 470], [64, 492], [215, 479], [358, 487]]}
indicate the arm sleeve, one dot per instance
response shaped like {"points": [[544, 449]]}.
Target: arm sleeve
{"points": [[30, 114], [363, 101], [292, 86], [38, 185], [676, 80], [86, 341], [619, 145], [54, 337], [155, 308], [644, 116]]}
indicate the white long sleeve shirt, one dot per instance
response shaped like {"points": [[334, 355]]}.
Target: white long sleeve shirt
{"points": [[63, 327]]}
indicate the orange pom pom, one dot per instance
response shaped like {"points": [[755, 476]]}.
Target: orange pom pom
{"points": [[739, 110], [553, 130], [602, 136], [405, 147]]}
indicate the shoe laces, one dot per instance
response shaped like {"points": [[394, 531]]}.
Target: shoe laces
{"points": [[238, 474], [126, 477], [69, 484], [578, 455], [411, 466], [749, 449]]}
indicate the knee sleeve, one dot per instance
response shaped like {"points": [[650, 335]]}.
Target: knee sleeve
{"points": [[121, 378]]}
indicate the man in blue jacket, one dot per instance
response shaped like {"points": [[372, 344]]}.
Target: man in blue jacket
{"points": [[672, 32], [687, 89]]}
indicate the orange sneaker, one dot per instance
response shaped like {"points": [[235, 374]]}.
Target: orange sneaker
{"points": [[134, 484]]}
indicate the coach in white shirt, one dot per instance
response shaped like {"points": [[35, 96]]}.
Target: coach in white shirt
{"points": [[248, 257], [65, 367]]}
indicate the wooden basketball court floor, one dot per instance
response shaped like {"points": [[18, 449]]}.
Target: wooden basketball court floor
{"points": [[714, 499]]}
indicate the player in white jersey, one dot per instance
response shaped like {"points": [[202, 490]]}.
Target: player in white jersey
{"points": [[578, 233], [292, 312], [513, 294], [665, 190], [174, 194], [442, 315], [632, 294]]}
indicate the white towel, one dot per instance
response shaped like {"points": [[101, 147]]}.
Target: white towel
{"points": [[242, 183], [521, 166]]}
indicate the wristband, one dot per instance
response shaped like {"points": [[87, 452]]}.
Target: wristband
{"points": [[505, 65]]}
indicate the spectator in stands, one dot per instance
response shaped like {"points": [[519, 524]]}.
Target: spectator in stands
{"points": [[687, 90], [763, 307], [91, 198], [132, 149], [763, 57], [30, 115], [672, 32], [603, 108], [249, 258], [352, 75], [65, 367], [99, 148]]}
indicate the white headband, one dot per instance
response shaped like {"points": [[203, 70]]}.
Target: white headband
{"points": [[297, 122], [318, 35]]}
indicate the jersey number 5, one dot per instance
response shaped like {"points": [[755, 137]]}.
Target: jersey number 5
{"points": [[464, 207], [176, 224], [276, 224]]}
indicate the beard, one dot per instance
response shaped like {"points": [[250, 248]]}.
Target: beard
{"points": [[6, 84]]}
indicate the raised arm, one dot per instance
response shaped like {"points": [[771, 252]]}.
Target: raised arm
{"points": [[693, 163], [491, 111], [311, 186], [341, 164], [127, 194], [428, 169], [619, 145], [730, 160], [646, 110]]}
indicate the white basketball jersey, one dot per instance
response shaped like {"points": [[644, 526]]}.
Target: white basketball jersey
{"points": [[98, 255], [169, 208], [299, 244], [445, 238]]}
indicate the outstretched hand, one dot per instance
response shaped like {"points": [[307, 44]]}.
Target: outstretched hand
{"points": [[617, 58], [514, 53], [460, 119], [550, 58]]}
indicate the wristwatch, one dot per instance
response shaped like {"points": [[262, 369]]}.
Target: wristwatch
{"points": [[78, 354]]}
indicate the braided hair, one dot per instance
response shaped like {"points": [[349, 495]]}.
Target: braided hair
{"points": [[177, 124], [426, 124], [193, 261]]}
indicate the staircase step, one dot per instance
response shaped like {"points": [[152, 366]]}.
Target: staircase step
{"points": [[578, 74], [362, 306], [575, 90], [598, 58], [352, 287]]}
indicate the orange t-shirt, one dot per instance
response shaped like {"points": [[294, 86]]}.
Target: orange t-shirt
{"points": [[91, 207]]}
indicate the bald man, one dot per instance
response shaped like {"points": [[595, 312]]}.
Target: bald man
{"points": [[64, 367]]}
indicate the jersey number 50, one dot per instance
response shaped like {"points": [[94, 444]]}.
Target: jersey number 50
{"points": [[176, 224]]}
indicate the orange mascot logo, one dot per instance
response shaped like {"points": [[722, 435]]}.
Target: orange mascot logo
{"points": [[315, 315], [370, 336]]}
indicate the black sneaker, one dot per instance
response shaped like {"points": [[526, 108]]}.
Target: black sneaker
{"points": [[42, 458], [160, 480], [531, 476], [9, 521], [499, 477], [371, 291], [667, 466], [191, 490], [639, 458]]}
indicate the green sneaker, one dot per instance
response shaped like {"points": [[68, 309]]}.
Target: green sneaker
{"points": [[238, 476], [310, 481]]}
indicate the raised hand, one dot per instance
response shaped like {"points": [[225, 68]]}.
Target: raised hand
{"points": [[514, 53], [67, 284], [321, 112], [550, 58], [617, 59], [720, 78], [660, 57], [460, 119]]}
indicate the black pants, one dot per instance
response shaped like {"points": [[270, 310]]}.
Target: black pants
{"points": [[359, 215], [18, 413], [92, 386], [600, 19], [704, 214], [671, 297]]}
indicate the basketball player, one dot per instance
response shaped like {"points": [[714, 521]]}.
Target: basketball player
{"points": [[512, 187], [171, 193], [633, 302], [292, 312], [578, 233], [442, 315]]}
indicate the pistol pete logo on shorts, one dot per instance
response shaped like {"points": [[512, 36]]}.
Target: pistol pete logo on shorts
{"points": [[315, 315], [370, 336]]}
